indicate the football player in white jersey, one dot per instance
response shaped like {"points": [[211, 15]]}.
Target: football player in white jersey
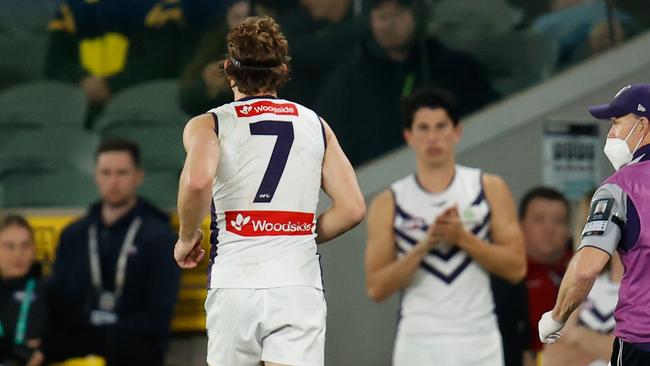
{"points": [[434, 236], [257, 164]]}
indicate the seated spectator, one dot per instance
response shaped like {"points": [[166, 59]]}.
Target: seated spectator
{"points": [[511, 308], [203, 85], [581, 28], [114, 281], [544, 216], [106, 46], [22, 296], [588, 336], [361, 99], [321, 33]]}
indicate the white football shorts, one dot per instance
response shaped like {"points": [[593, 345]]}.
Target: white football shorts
{"points": [[284, 325]]}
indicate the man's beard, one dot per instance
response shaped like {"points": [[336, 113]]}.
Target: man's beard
{"points": [[119, 204]]}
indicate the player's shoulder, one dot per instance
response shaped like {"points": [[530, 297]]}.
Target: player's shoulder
{"points": [[493, 181], [383, 202]]}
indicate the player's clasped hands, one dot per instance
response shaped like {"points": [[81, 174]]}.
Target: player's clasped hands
{"points": [[549, 328], [188, 254], [448, 228]]}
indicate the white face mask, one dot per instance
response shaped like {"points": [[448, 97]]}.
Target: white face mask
{"points": [[618, 152]]}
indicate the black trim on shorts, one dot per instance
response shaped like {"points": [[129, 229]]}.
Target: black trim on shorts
{"points": [[626, 354]]}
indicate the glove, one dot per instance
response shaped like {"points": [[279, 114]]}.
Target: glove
{"points": [[549, 329]]}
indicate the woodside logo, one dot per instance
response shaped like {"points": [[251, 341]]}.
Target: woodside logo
{"points": [[262, 107], [269, 223]]}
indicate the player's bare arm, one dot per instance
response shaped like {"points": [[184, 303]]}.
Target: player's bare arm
{"points": [[340, 183], [583, 270], [195, 188], [505, 256], [385, 273]]}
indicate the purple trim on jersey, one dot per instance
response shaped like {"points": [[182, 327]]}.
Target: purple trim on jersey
{"points": [[631, 229], [417, 181], [451, 277], [602, 317], [252, 97], [400, 211], [480, 226], [481, 195], [632, 312], [214, 240], [444, 256], [216, 123], [445, 278], [604, 331], [322, 129]]}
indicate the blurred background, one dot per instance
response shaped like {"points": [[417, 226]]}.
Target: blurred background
{"points": [[73, 72]]}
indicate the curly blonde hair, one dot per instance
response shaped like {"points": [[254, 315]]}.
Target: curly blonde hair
{"points": [[259, 56]]}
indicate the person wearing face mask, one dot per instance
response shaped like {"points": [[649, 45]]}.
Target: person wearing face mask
{"points": [[619, 219]]}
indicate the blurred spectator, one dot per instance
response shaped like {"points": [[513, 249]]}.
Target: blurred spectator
{"points": [[533, 9], [114, 280], [588, 336], [448, 20], [361, 99], [544, 215], [511, 308], [581, 28], [106, 46], [203, 85], [321, 33], [22, 295]]}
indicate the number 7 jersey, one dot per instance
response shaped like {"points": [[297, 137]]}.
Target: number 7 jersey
{"points": [[265, 195]]}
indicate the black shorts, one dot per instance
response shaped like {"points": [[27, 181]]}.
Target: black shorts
{"points": [[626, 354]]}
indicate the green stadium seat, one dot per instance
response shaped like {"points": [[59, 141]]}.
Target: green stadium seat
{"points": [[161, 148], [146, 105], [161, 188], [49, 150], [39, 189], [40, 104]]}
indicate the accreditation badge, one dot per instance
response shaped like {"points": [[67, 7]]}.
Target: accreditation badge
{"points": [[107, 301]]}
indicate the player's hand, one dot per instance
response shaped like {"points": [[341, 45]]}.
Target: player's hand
{"points": [[188, 254], [549, 328], [448, 228]]}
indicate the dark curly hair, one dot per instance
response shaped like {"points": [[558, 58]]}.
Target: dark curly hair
{"points": [[258, 55]]}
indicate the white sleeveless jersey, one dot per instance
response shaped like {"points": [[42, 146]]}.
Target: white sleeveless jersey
{"points": [[265, 195], [597, 312], [450, 294]]}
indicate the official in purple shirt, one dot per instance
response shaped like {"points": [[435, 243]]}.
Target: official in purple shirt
{"points": [[619, 220]]}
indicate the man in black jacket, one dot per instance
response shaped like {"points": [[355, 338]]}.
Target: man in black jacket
{"points": [[114, 280], [361, 99]]}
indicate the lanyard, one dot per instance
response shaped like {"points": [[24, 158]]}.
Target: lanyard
{"points": [[120, 271], [21, 323]]}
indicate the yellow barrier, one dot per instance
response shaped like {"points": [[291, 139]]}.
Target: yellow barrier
{"points": [[189, 314], [85, 361]]}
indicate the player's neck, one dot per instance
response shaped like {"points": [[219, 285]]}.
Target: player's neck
{"points": [[239, 95], [436, 178], [112, 213]]}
